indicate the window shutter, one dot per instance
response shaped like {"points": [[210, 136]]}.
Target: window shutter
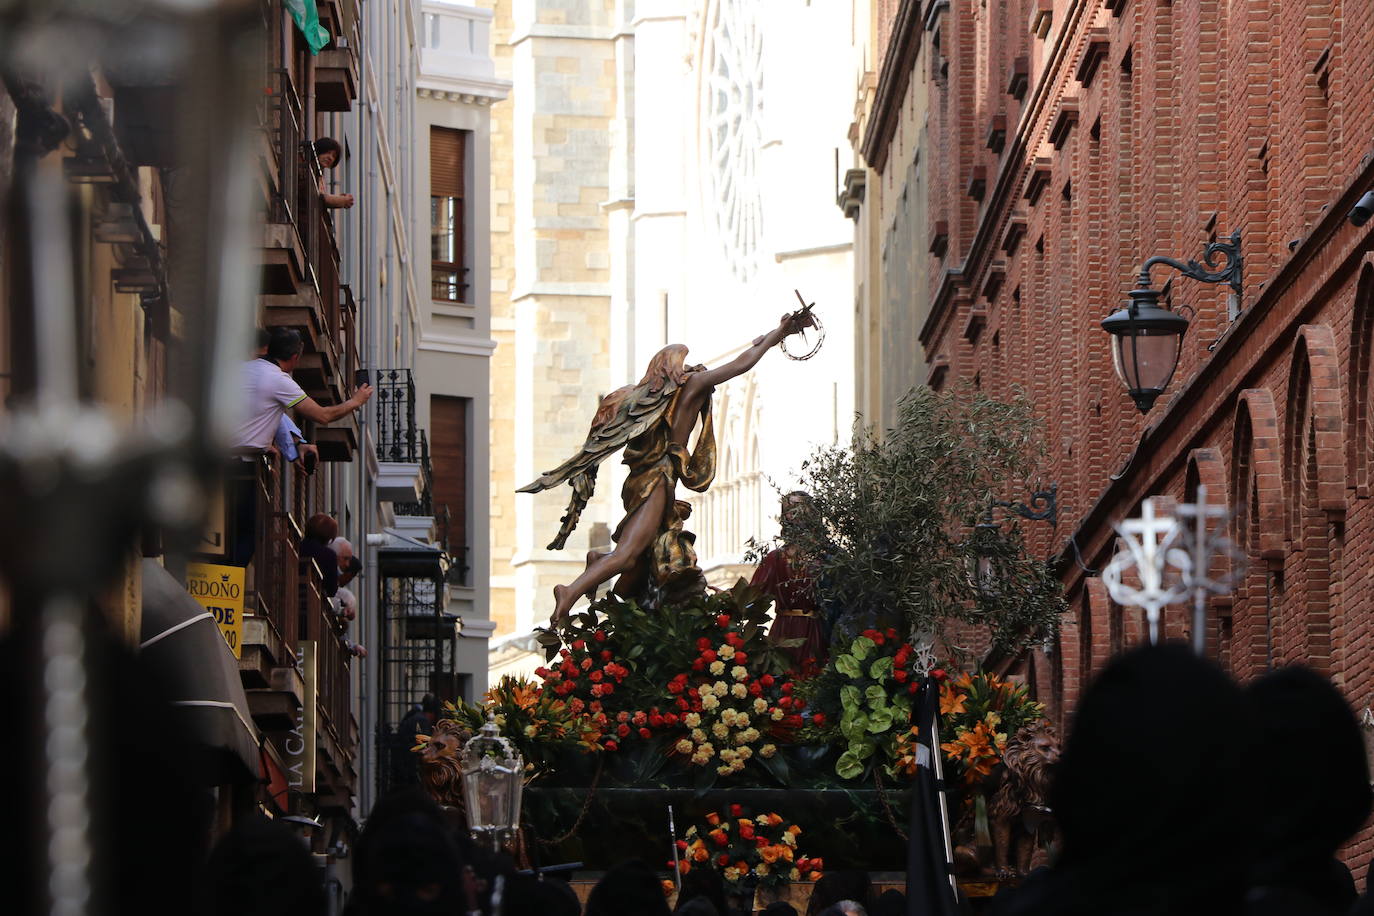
{"points": [[445, 162]]}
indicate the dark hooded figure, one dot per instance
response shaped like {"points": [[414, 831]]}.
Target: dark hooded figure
{"points": [[1304, 814], [406, 861], [1150, 795], [630, 887], [702, 883]]}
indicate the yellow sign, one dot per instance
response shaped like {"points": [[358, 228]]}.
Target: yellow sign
{"points": [[219, 589]]}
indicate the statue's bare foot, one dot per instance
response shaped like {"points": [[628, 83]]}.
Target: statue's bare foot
{"points": [[560, 613]]}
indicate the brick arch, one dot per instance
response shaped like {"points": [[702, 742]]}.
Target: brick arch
{"points": [[1207, 469], [1357, 431], [1314, 431], [1256, 478], [1255, 492]]}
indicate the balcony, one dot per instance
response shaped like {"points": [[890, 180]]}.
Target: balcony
{"points": [[399, 441], [287, 610]]}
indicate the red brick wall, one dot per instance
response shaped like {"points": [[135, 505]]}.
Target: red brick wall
{"points": [[1200, 119]]}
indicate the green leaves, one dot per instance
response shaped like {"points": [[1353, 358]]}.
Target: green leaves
{"points": [[881, 669], [861, 647], [848, 665]]}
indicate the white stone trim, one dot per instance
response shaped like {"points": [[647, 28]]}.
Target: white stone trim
{"points": [[561, 289], [795, 253], [463, 346]]}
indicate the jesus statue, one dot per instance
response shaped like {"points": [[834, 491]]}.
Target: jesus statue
{"points": [[653, 421]]}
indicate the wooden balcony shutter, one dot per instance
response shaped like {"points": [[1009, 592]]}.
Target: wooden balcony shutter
{"points": [[446, 157], [448, 432]]}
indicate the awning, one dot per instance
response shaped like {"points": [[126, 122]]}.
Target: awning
{"points": [[181, 641]]}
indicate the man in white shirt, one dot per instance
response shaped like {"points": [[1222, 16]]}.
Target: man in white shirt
{"points": [[270, 391]]}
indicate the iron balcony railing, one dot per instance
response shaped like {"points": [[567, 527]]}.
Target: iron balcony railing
{"points": [[398, 438], [425, 505]]}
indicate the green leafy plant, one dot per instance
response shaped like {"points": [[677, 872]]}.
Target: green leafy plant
{"points": [[896, 528]]}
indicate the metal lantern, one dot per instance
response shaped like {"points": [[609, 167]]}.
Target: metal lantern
{"points": [[1146, 340], [493, 781]]}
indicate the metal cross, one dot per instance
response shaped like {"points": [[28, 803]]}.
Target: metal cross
{"points": [[1201, 540], [1148, 541]]}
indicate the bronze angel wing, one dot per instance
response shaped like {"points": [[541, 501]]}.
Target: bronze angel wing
{"points": [[638, 410]]}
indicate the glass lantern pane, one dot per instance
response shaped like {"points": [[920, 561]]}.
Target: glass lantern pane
{"points": [[1146, 361]]}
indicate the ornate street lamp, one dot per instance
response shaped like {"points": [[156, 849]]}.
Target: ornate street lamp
{"points": [[493, 782], [1147, 338]]}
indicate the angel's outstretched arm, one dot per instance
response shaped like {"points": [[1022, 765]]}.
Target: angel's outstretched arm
{"points": [[790, 324]]}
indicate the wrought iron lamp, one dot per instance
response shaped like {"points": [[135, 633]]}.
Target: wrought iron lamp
{"points": [[493, 783], [1146, 338]]}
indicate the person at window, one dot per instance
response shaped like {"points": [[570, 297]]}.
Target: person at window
{"points": [[290, 441], [328, 152], [349, 565], [270, 392], [320, 529]]}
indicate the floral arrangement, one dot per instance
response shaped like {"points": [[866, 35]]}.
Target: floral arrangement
{"points": [[873, 681], [978, 712], [537, 722], [744, 848], [702, 684]]}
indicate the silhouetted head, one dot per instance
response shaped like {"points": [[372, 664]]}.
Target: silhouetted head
{"points": [[1306, 812], [262, 867], [407, 861], [705, 884], [630, 887], [836, 886], [1153, 780]]}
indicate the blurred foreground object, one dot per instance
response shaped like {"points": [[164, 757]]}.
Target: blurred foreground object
{"points": [[96, 92]]}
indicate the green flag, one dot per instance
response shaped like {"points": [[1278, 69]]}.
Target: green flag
{"points": [[307, 19]]}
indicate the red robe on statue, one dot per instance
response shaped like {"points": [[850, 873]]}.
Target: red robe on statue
{"points": [[796, 614]]}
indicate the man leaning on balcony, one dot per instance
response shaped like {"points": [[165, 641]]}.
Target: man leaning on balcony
{"points": [[269, 391]]}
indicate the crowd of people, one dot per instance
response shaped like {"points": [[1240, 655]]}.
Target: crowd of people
{"points": [[1179, 791]]}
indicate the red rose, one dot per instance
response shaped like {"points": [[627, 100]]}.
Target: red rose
{"points": [[622, 729], [891, 632], [708, 656], [791, 721], [911, 688], [900, 675], [818, 719], [595, 677], [657, 721], [699, 664], [703, 644], [683, 704], [755, 689], [599, 636], [736, 811], [607, 689], [675, 687], [578, 644], [741, 658], [612, 746], [720, 838], [878, 638], [766, 680], [644, 733], [734, 639], [745, 830], [723, 621], [761, 841], [605, 655], [723, 859], [786, 688], [596, 706], [938, 673], [586, 664], [682, 845]]}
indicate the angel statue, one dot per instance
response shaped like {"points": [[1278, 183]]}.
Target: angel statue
{"points": [[653, 421]]}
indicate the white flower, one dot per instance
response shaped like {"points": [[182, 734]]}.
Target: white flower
{"points": [[709, 702], [725, 650], [728, 715], [760, 705], [794, 875], [745, 752], [741, 721], [739, 691], [768, 750], [761, 869], [724, 769], [691, 720], [684, 746], [789, 839], [698, 735], [717, 667], [739, 672], [720, 688], [531, 731], [720, 730], [776, 715]]}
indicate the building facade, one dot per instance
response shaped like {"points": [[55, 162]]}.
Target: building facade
{"points": [[405, 89], [653, 188], [1068, 142]]}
